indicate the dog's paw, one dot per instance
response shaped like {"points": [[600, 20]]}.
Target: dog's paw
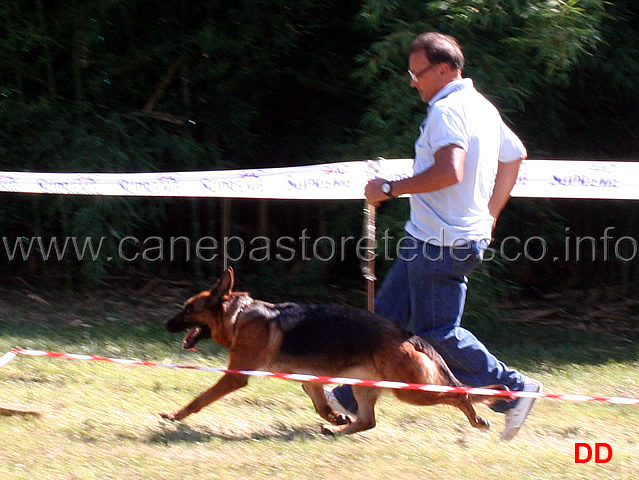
{"points": [[337, 418], [329, 430], [483, 423], [169, 416]]}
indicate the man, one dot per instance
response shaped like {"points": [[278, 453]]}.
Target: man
{"points": [[466, 164]]}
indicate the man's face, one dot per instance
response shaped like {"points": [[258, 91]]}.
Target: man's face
{"points": [[428, 76]]}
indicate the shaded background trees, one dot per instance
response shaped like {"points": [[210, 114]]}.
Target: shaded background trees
{"points": [[140, 85]]}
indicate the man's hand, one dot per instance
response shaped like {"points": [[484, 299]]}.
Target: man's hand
{"points": [[373, 192]]}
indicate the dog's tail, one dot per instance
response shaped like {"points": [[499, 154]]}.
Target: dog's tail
{"points": [[448, 377], [487, 399]]}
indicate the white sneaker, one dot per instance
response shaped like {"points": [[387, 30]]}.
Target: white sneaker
{"points": [[516, 416]]}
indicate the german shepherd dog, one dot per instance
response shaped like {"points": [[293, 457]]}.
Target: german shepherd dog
{"points": [[324, 340]]}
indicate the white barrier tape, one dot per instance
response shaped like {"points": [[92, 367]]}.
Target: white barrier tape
{"points": [[578, 179], [332, 181], [315, 182]]}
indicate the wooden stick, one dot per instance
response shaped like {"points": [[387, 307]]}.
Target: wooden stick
{"points": [[368, 263], [7, 412], [162, 86]]}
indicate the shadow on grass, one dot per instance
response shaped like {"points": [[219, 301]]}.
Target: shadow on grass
{"points": [[176, 433]]}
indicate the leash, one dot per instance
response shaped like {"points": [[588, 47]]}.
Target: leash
{"points": [[368, 233], [368, 263]]}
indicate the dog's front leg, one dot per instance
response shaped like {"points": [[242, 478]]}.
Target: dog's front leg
{"points": [[227, 384]]}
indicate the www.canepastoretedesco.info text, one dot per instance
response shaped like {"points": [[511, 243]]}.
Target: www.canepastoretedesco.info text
{"points": [[606, 247]]}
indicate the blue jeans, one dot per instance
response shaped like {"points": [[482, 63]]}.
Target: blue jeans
{"points": [[425, 293]]}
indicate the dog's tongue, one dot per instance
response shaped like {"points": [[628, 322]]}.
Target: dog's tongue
{"points": [[191, 339]]}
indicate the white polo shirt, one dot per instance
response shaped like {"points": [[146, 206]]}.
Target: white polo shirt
{"points": [[460, 115]]}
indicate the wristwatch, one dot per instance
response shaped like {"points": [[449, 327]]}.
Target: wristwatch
{"points": [[387, 189]]}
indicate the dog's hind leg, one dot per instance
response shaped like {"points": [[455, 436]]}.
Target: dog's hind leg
{"points": [[425, 366], [461, 401], [366, 398], [316, 393], [464, 403]]}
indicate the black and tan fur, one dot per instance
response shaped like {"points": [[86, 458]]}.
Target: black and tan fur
{"points": [[324, 340]]}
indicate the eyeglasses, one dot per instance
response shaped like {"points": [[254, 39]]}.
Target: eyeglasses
{"points": [[415, 76]]}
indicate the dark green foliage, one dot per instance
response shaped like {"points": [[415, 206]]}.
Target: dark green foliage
{"points": [[517, 52], [139, 85]]}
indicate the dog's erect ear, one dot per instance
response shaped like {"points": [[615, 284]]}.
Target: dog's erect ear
{"points": [[222, 287], [225, 283]]}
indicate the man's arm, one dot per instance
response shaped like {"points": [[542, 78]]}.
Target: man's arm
{"points": [[504, 182], [447, 170]]}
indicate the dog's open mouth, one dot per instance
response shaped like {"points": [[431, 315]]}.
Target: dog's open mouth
{"points": [[195, 335]]}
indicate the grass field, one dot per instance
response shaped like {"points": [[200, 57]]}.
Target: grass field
{"points": [[100, 420]]}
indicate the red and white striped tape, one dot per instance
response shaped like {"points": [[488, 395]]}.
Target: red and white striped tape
{"points": [[314, 378]]}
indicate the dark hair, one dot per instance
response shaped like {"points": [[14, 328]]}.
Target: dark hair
{"points": [[439, 48]]}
